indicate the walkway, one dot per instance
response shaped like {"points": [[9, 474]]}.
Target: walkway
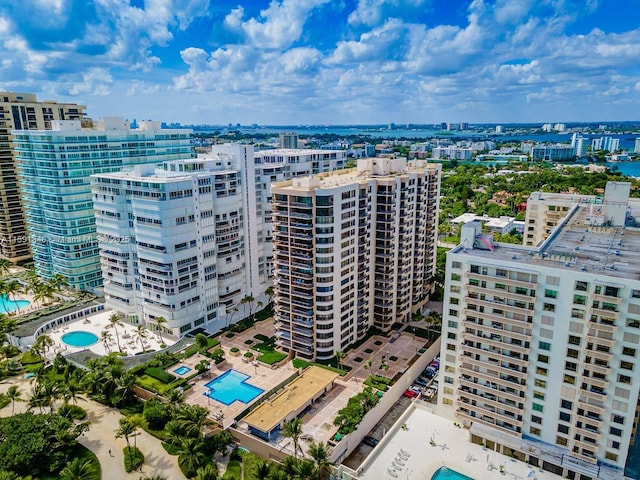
{"points": [[100, 439]]}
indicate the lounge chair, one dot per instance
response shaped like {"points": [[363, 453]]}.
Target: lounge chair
{"points": [[392, 472]]}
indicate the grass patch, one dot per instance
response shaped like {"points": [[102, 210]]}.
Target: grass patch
{"points": [[300, 363], [235, 349], [272, 357], [133, 458], [248, 354], [29, 358], [195, 348], [265, 347], [152, 384], [233, 471], [378, 382]]}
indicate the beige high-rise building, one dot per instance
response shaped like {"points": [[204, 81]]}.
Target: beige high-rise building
{"points": [[353, 249], [22, 111]]}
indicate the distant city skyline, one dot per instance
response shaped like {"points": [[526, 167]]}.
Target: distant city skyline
{"points": [[306, 62]]}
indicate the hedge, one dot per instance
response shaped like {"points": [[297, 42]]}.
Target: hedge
{"points": [[261, 337], [29, 358], [159, 374], [133, 458]]}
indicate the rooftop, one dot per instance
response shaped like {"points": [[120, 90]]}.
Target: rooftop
{"points": [[577, 245], [298, 393]]}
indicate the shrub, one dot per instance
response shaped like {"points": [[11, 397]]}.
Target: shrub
{"points": [[133, 458], [156, 413], [248, 341], [378, 342], [261, 337], [29, 358], [73, 412], [393, 358], [233, 471], [357, 359], [159, 374], [229, 334], [235, 349], [248, 354], [217, 356], [235, 455], [368, 350]]}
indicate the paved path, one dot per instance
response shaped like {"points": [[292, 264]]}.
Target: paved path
{"points": [[100, 439]]}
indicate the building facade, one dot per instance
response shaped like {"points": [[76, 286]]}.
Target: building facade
{"points": [[352, 249], [288, 140], [539, 354], [55, 166], [22, 111]]}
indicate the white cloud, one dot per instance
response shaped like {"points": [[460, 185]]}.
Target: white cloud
{"points": [[95, 81], [374, 12], [279, 25]]}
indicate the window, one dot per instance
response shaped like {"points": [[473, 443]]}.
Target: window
{"points": [[543, 358], [542, 371], [573, 340], [563, 429], [566, 404], [617, 419], [538, 395], [537, 407], [540, 383], [629, 351], [544, 346], [570, 379], [453, 313], [611, 456], [565, 417], [455, 277], [582, 286], [456, 265], [615, 431], [624, 379], [626, 365], [549, 307], [535, 419], [579, 299], [635, 293], [453, 324], [534, 431], [561, 441], [550, 293]]}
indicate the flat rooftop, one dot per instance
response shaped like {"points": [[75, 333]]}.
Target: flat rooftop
{"points": [[295, 395], [579, 246]]}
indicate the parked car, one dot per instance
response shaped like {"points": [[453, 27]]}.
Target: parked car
{"points": [[410, 393], [415, 388], [370, 441], [421, 381]]}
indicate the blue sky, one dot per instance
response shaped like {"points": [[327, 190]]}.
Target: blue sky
{"points": [[328, 61]]}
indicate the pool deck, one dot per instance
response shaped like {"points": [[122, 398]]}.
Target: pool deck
{"points": [[452, 450], [129, 341]]}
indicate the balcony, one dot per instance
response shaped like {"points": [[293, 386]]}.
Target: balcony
{"points": [[503, 280]]}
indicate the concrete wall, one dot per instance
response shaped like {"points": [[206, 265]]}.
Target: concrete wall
{"points": [[349, 442]]}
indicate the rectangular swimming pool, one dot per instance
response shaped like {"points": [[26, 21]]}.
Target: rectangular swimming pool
{"points": [[182, 370], [232, 386]]}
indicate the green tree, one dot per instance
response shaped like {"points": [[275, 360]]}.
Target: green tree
{"points": [[160, 321], [305, 470], [142, 334], [79, 469], [126, 430], [202, 341], [271, 293], [114, 320], [207, 472], [320, 452], [15, 395], [5, 265], [191, 455], [293, 430], [11, 289], [339, 357]]}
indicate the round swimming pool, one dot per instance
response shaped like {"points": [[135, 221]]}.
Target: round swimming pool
{"points": [[80, 339]]}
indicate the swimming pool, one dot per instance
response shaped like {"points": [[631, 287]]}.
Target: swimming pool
{"points": [[444, 473], [182, 370], [232, 386], [80, 339], [7, 305]]}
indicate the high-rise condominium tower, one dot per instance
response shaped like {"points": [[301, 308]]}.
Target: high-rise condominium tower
{"points": [[196, 232], [22, 111], [352, 249], [540, 345], [55, 167]]}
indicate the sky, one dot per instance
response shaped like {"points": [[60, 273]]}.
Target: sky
{"points": [[328, 62]]}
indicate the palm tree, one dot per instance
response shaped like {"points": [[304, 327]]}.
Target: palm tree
{"points": [[175, 397], [137, 422], [105, 337], [142, 334], [125, 386], [114, 320], [230, 313], [72, 388], [277, 474], [126, 430], [176, 430], [293, 430], [207, 472], [247, 300], [305, 470], [14, 394], [152, 477], [58, 282], [3, 296], [270, 292], [339, 357], [43, 292], [262, 470], [159, 322], [195, 418], [78, 469], [10, 289], [191, 455], [42, 344], [289, 466], [5, 265], [320, 453]]}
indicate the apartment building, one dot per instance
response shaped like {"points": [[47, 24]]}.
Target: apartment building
{"points": [[540, 345], [277, 166], [352, 249], [55, 166], [545, 210], [172, 242], [22, 111], [288, 140]]}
